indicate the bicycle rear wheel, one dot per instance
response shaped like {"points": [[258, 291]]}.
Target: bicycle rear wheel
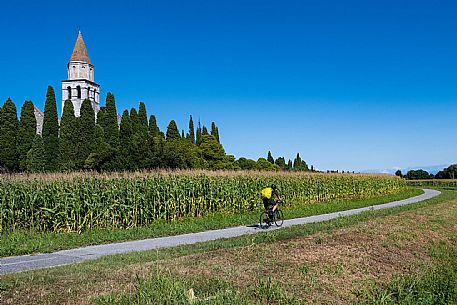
{"points": [[279, 218], [264, 221]]}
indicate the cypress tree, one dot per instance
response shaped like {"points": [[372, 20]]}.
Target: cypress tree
{"points": [[134, 120], [270, 158], [36, 156], [191, 130], [26, 134], [215, 131], [50, 132], [154, 130], [198, 138], [68, 137], [289, 165], [204, 131], [125, 137], [86, 132], [172, 131], [109, 122], [9, 125], [142, 115]]}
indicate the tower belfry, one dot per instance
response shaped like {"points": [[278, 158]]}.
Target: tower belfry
{"points": [[80, 84]]}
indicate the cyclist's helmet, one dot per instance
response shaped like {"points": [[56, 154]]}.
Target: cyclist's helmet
{"points": [[273, 186]]}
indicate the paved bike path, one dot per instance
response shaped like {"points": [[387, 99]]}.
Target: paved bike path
{"points": [[28, 262]]}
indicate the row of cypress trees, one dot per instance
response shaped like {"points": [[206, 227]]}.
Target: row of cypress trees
{"points": [[101, 143]]}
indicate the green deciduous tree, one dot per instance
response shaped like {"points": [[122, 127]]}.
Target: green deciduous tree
{"points": [[9, 125], [50, 132], [264, 165], [281, 162], [26, 133], [246, 164]]}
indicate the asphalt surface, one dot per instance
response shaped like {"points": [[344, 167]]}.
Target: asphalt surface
{"points": [[28, 262]]}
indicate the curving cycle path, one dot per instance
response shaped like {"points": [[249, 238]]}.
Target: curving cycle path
{"points": [[28, 262]]}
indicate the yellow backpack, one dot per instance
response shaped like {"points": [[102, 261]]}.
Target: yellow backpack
{"points": [[266, 193]]}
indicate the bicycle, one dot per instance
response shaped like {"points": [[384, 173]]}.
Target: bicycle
{"points": [[277, 217]]}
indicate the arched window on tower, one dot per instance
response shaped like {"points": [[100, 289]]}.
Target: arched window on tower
{"points": [[88, 92], [79, 91], [69, 92]]}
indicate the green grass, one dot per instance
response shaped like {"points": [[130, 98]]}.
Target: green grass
{"points": [[437, 284], [28, 242], [75, 277]]}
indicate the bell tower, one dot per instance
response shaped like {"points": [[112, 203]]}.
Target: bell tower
{"points": [[80, 84]]}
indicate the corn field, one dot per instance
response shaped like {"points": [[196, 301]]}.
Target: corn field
{"points": [[67, 203]]}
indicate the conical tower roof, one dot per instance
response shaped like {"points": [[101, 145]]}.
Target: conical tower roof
{"points": [[80, 51]]}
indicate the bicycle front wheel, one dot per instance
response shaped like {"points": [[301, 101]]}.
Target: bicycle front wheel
{"points": [[264, 221], [279, 218]]}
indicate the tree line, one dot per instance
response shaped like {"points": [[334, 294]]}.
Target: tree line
{"points": [[420, 174], [100, 143]]}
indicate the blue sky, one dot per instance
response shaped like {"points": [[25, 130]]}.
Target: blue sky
{"points": [[351, 85]]}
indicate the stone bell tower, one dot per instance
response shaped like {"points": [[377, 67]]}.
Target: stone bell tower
{"points": [[80, 84]]}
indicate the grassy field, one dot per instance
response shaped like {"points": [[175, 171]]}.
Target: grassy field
{"points": [[402, 255], [51, 212]]}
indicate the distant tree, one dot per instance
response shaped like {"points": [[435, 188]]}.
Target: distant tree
{"points": [[299, 164], [215, 131], [199, 134], [281, 162], [418, 175], [9, 125], [69, 135], [50, 132], [35, 156], [109, 122], [153, 128], [103, 153], [204, 131], [126, 136], [289, 165], [180, 153], [191, 131], [246, 164], [447, 173], [270, 158], [172, 131], [398, 173], [26, 133], [86, 139], [214, 154], [264, 165], [134, 120], [142, 115]]}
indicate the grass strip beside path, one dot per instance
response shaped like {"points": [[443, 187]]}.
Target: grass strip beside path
{"points": [[29, 242]]}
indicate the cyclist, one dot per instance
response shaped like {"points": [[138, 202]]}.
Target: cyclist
{"points": [[270, 197]]}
